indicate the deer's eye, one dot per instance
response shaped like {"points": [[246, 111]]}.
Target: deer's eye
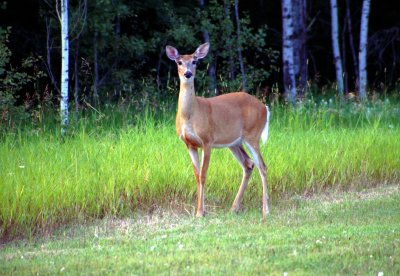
{"points": [[179, 62], [194, 62]]}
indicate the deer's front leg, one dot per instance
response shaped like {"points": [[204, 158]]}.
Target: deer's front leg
{"points": [[205, 160], [194, 156]]}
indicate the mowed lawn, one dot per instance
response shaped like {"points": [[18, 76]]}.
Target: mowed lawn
{"points": [[351, 233]]}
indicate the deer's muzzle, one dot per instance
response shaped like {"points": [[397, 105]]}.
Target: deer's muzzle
{"points": [[188, 74]]}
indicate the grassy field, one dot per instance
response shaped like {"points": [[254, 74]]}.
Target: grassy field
{"points": [[345, 233], [116, 162]]}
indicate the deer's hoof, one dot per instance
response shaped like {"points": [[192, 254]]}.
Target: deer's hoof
{"points": [[235, 210], [200, 214]]}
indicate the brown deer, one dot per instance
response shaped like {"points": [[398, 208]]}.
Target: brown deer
{"points": [[229, 120]]}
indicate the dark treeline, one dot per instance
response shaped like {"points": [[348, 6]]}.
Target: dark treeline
{"points": [[117, 48]]}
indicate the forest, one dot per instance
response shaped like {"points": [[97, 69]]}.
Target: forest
{"points": [[117, 50], [95, 180]]}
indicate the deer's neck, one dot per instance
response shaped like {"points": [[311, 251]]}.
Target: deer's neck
{"points": [[187, 102]]}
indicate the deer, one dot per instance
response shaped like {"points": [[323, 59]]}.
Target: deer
{"points": [[229, 120]]}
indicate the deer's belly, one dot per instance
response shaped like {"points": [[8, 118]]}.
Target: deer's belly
{"points": [[190, 137], [228, 143]]}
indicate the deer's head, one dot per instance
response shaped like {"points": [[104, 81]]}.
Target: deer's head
{"points": [[187, 63]]}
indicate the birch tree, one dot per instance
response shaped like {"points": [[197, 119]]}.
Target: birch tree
{"points": [[362, 56], [77, 14], [289, 80], [335, 47], [64, 67]]}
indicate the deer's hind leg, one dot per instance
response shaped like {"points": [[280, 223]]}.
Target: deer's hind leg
{"points": [[247, 165], [254, 148]]}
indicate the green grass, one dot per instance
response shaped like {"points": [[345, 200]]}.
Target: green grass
{"points": [[116, 163], [350, 233]]}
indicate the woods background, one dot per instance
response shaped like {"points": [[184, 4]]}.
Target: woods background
{"points": [[117, 50]]}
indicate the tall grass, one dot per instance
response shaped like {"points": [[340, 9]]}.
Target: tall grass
{"points": [[115, 162]]}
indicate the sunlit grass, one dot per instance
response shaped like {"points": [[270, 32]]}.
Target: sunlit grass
{"points": [[114, 164]]}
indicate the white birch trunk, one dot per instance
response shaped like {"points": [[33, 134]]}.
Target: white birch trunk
{"points": [[64, 67], [289, 80], [335, 46], [362, 56]]}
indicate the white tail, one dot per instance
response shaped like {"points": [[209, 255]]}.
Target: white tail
{"points": [[225, 121], [265, 132]]}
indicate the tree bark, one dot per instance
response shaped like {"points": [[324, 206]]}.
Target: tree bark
{"points": [[212, 86], [351, 43], [64, 68], [96, 70], [345, 74], [76, 68], [158, 79], [229, 35], [363, 50], [289, 80], [48, 57], [239, 47], [299, 44], [335, 46]]}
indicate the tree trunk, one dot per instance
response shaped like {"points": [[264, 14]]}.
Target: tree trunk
{"points": [[351, 44], [289, 80], [363, 50], [96, 70], [299, 44], [76, 68], [229, 35], [303, 52], [64, 68], [345, 74], [239, 46], [212, 86], [48, 57], [211, 68], [335, 47], [158, 79]]}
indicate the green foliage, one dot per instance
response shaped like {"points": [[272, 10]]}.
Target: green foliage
{"points": [[130, 38], [259, 58], [12, 81]]}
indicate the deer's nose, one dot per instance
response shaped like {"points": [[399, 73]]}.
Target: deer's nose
{"points": [[188, 74]]}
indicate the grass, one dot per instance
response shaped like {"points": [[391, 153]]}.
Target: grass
{"points": [[355, 233], [115, 163]]}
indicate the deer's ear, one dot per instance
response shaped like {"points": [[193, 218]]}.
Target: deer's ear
{"points": [[202, 50], [172, 53]]}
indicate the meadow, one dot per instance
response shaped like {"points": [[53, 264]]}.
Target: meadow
{"points": [[333, 233], [116, 162]]}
